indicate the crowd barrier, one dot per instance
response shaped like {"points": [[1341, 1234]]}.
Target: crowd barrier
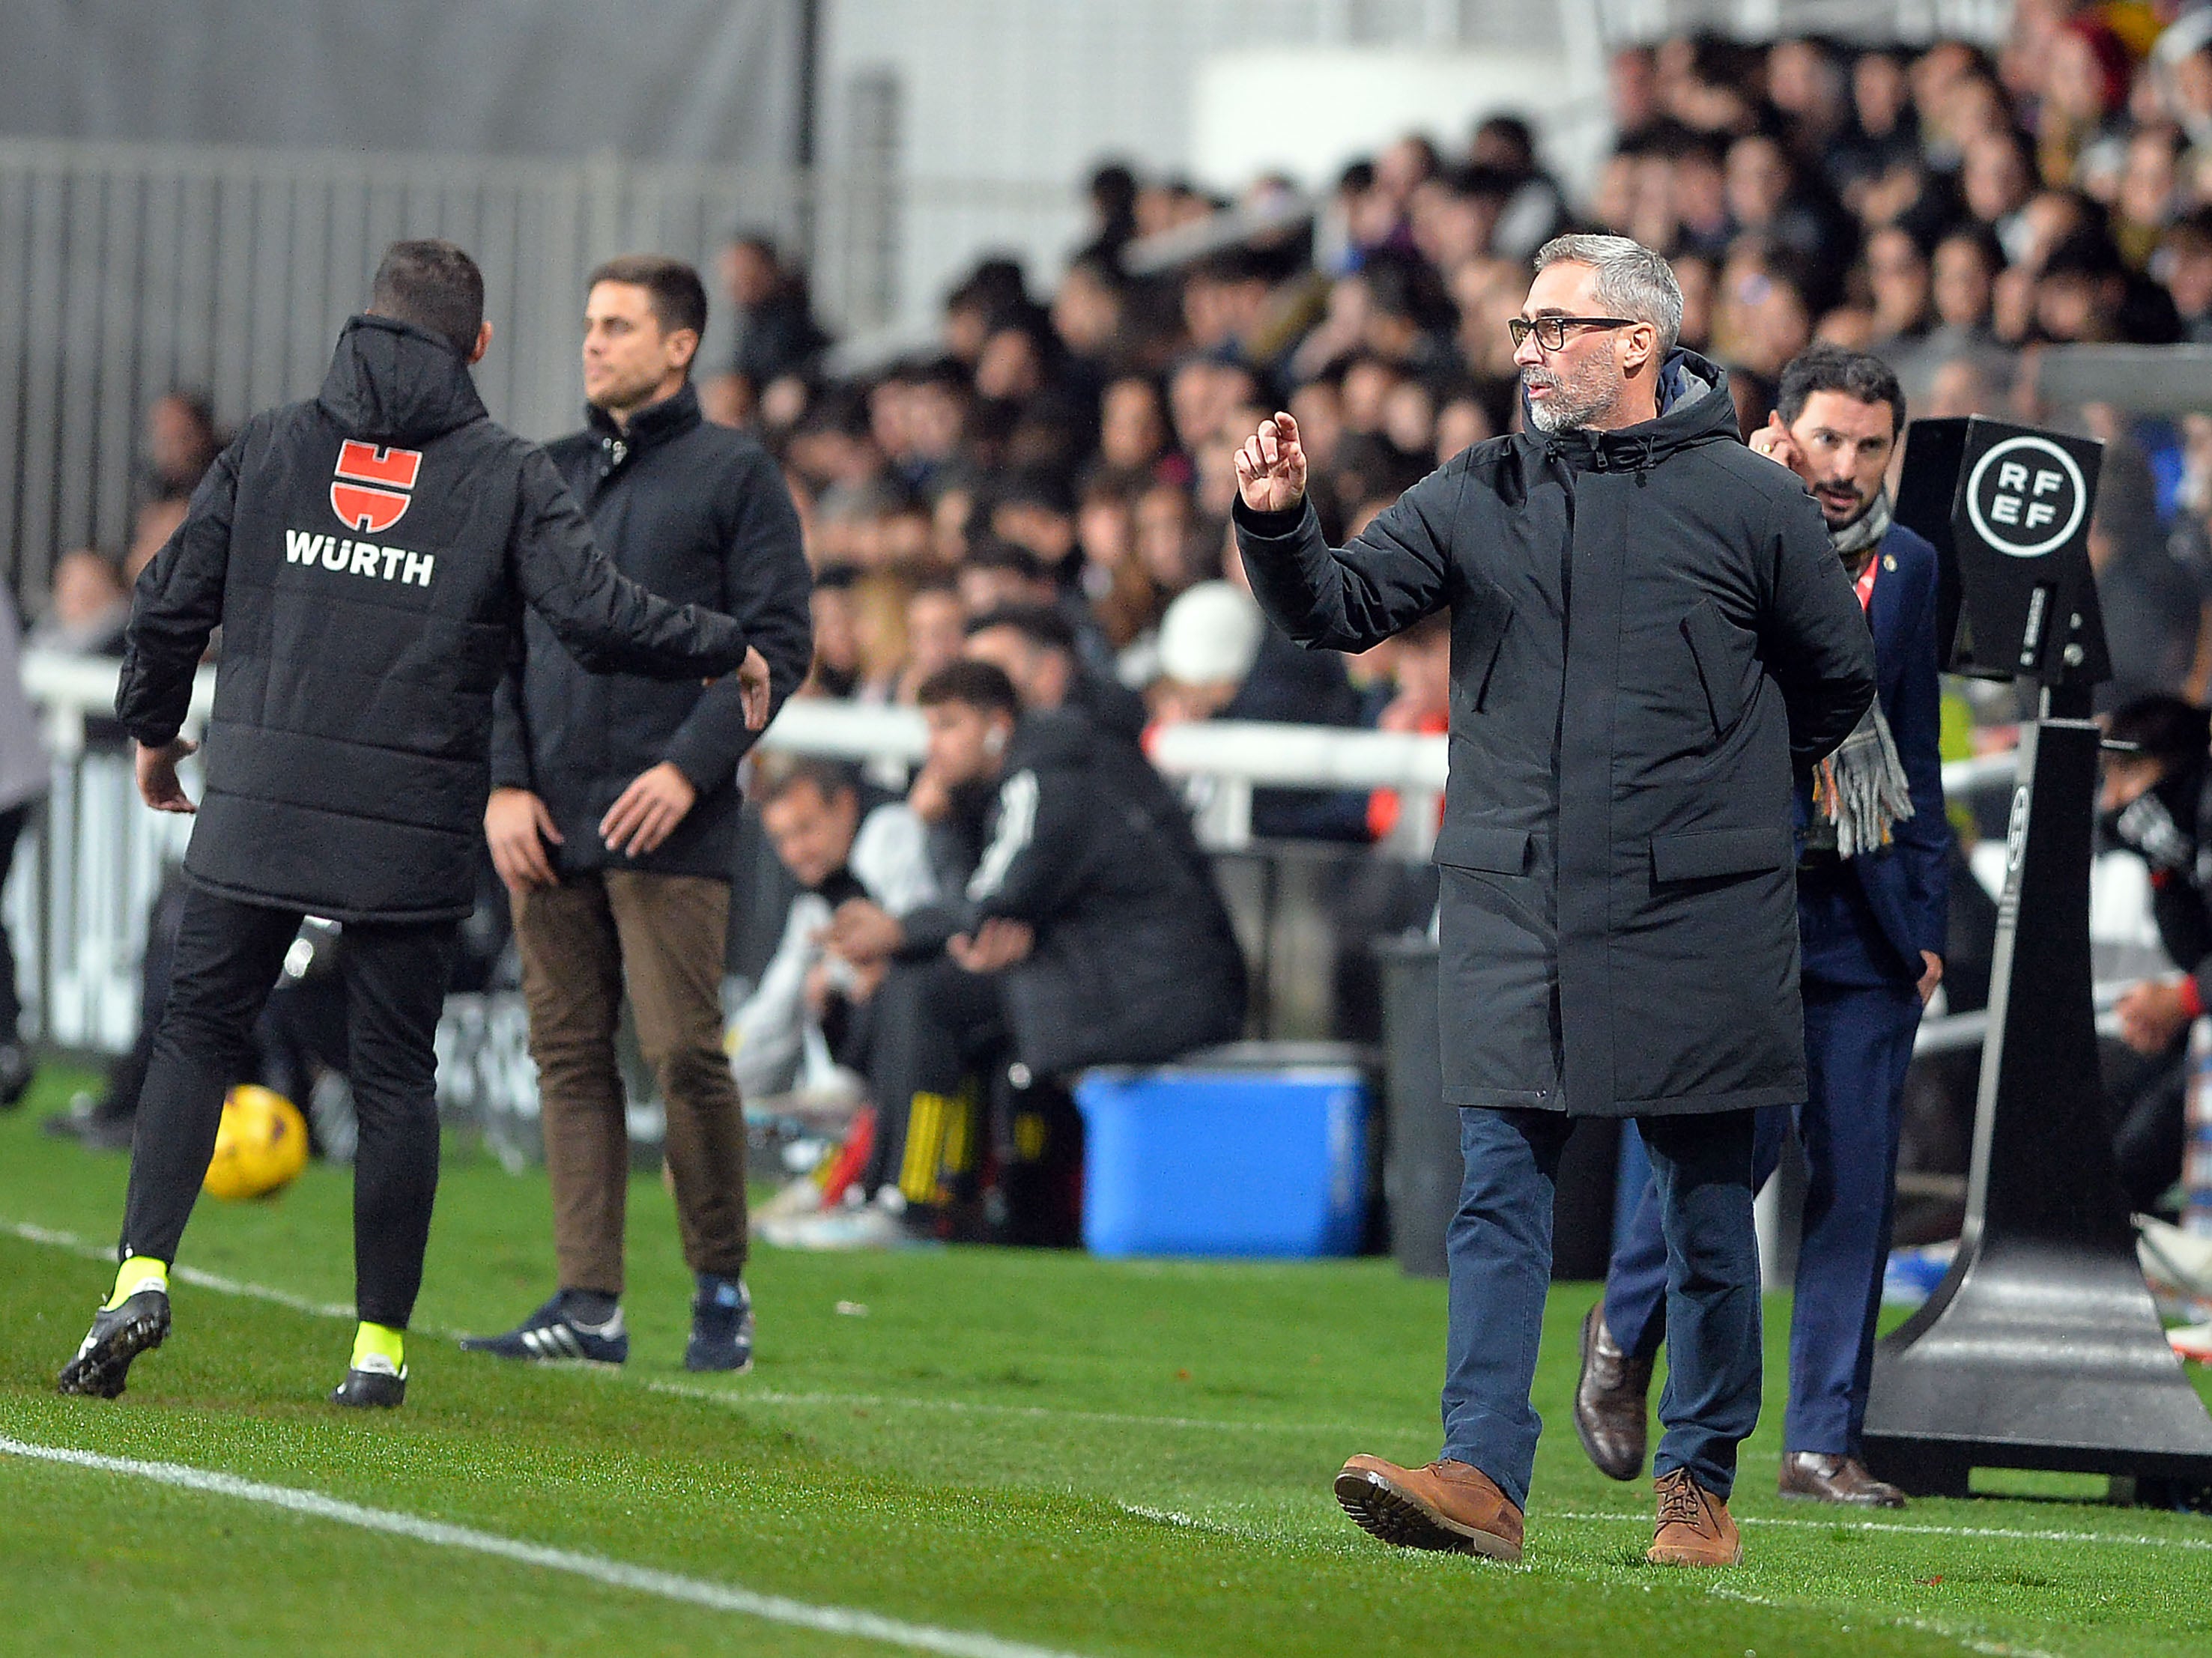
{"points": [[88, 869]]}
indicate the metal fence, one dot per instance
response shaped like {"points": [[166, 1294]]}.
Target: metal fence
{"points": [[127, 270]]}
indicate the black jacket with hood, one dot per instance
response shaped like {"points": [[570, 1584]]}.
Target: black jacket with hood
{"points": [[369, 554], [693, 512], [1649, 628], [1135, 960]]}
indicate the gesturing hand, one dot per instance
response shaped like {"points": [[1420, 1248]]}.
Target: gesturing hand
{"points": [[157, 776], [1271, 467]]}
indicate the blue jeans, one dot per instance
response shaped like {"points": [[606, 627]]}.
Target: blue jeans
{"points": [[1499, 1249], [1858, 1045]]}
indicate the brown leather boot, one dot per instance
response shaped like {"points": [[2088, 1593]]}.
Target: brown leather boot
{"points": [[1693, 1526], [1611, 1414], [1446, 1505], [1816, 1476]]}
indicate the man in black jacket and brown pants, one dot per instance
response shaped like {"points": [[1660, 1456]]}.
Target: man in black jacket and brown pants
{"points": [[369, 554], [613, 820], [1648, 629]]}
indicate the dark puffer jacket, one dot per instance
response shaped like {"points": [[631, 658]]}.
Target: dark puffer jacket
{"points": [[1648, 628], [693, 512], [368, 555], [1135, 960]]}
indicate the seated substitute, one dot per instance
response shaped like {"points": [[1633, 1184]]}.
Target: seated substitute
{"points": [[2157, 802], [347, 756], [838, 847], [1079, 925]]}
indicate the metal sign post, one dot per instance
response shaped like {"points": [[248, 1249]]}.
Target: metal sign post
{"points": [[2041, 1347]]}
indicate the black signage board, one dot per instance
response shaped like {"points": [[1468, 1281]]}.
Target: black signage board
{"points": [[2008, 508]]}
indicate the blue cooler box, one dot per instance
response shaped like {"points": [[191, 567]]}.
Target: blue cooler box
{"points": [[1198, 1162]]}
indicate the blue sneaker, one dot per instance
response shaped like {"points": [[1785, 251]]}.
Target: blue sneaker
{"points": [[721, 1326], [553, 1334]]}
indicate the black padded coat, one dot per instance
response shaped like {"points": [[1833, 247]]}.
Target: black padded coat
{"points": [[1648, 628], [368, 555]]}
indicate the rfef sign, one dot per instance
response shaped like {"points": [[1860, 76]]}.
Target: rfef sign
{"points": [[2026, 496], [2008, 509]]}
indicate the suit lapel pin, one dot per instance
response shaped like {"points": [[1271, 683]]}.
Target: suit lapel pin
{"points": [[1889, 561]]}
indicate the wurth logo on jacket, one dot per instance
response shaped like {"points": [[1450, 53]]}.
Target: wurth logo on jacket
{"points": [[359, 558], [370, 489]]}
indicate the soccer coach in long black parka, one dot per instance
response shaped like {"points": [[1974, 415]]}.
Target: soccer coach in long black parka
{"points": [[1649, 632], [369, 554]]}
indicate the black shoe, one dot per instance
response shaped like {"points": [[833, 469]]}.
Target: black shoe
{"points": [[92, 1124], [16, 1072], [553, 1334], [721, 1328], [371, 1390], [118, 1334]]}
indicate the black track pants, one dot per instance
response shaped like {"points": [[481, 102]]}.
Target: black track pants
{"points": [[229, 954]]}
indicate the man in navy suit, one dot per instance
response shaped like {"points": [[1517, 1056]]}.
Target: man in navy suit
{"points": [[1872, 890]]}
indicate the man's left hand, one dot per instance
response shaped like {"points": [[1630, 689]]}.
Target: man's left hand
{"points": [[648, 811], [2152, 1015], [997, 946], [1931, 974]]}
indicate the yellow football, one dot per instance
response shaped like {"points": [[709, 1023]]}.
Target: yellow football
{"points": [[261, 1146]]}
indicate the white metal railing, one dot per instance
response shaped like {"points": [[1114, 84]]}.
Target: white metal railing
{"points": [[88, 871]]}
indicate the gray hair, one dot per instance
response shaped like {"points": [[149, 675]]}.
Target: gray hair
{"points": [[1632, 281]]}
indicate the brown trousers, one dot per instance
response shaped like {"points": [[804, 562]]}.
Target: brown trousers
{"points": [[664, 935]]}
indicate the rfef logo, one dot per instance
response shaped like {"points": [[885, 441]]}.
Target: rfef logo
{"points": [[2026, 496], [370, 490]]}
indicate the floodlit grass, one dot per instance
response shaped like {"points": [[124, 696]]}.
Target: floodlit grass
{"points": [[1092, 1457]]}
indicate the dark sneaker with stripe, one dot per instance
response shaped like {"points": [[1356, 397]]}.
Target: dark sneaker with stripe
{"points": [[118, 1334], [373, 1390], [721, 1326], [554, 1334]]}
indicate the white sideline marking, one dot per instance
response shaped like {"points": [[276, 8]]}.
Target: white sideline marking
{"points": [[192, 1275], [70, 1242], [669, 1586], [77, 1246], [985, 1407]]}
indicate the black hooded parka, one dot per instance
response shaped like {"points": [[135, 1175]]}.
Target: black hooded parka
{"points": [[1649, 630], [369, 554]]}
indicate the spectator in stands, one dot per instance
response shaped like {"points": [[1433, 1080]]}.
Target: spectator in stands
{"points": [[23, 779], [2185, 256], [1035, 646], [613, 820], [181, 441], [1078, 926], [777, 335], [89, 607], [936, 626], [2156, 801], [837, 843]]}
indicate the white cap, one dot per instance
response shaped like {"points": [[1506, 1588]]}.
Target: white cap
{"points": [[1211, 636]]}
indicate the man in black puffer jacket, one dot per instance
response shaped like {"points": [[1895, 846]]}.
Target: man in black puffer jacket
{"points": [[369, 554], [613, 820]]}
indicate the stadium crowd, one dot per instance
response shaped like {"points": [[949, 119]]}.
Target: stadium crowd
{"points": [[1048, 487]]}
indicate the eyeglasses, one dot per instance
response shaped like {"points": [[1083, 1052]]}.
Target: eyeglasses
{"points": [[1552, 331]]}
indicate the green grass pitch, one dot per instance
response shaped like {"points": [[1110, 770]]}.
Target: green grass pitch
{"points": [[1013, 1452]]}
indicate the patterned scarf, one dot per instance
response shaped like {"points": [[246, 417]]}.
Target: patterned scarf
{"points": [[1860, 791]]}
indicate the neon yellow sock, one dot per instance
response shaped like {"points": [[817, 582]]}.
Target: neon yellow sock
{"points": [[379, 1347], [139, 1273]]}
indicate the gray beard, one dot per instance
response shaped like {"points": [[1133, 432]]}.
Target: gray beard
{"points": [[1552, 415]]}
